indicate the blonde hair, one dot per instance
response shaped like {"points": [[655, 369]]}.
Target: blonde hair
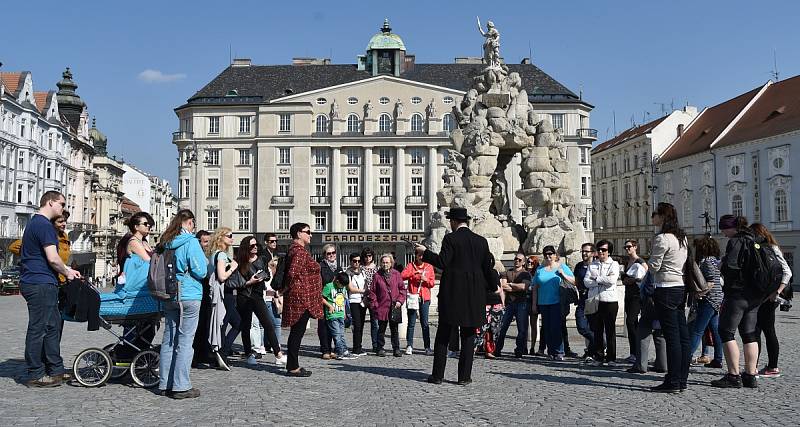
{"points": [[328, 246], [217, 242], [387, 255]]}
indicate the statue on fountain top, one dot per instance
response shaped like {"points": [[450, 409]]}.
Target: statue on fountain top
{"points": [[491, 46]]}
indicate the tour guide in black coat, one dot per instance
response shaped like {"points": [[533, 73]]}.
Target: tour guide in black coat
{"points": [[467, 272]]}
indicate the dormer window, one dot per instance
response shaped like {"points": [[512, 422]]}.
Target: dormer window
{"points": [[232, 92], [447, 99], [322, 101]]}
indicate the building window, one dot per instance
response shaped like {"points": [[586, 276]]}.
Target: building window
{"points": [[244, 188], [383, 100], [244, 220], [416, 186], [213, 125], [417, 222], [448, 123], [447, 100], [353, 156], [385, 186], [321, 124], [322, 101], [213, 220], [48, 174], [584, 152], [283, 220], [213, 188], [416, 100], [384, 220], [385, 156], [736, 205], [244, 125], [284, 186], [352, 187], [50, 141], [184, 188], [781, 206], [385, 123], [319, 156], [244, 157], [353, 124], [320, 221], [352, 100], [584, 186], [417, 123], [284, 155], [417, 157], [352, 220], [558, 121], [320, 187], [20, 193], [285, 123], [213, 157]]}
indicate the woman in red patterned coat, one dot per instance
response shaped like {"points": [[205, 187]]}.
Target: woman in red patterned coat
{"points": [[303, 289]]}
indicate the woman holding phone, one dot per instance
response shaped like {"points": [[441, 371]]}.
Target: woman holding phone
{"points": [[248, 280]]}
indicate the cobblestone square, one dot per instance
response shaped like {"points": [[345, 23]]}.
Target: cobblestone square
{"points": [[389, 391]]}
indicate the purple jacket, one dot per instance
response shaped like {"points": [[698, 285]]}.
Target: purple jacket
{"points": [[383, 294]]}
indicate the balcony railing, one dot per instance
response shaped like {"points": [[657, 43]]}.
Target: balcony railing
{"points": [[320, 200], [351, 201], [383, 201], [283, 200], [415, 201], [182, 135], [586, 133]]}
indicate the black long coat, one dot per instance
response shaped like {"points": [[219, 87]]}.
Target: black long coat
{"points": [[467, 274]]}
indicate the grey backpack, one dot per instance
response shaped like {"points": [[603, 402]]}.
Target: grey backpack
{"points": [[162, 277]]}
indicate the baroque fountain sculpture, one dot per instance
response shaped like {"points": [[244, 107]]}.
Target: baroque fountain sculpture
{"points": [[495, 122]]}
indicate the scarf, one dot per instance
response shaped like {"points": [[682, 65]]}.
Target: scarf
{"points": [[332, 265]]}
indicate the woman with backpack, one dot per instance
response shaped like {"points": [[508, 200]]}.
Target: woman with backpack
{"points": [[221, 265], [739, 305], [182, 311], [766, 312], [667, 258], [248, 280]]}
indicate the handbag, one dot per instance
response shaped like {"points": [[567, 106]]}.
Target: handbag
{"points": [[412, 301], [396, 314], [693, 280], [592, 305]]}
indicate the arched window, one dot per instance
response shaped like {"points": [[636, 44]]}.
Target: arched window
{"points": [[353, 123], [448, 124], [385, 123], [322, 124], [417, 122], [736, 205], [781, 210]]}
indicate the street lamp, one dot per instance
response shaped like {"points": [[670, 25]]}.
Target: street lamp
{"points": [[195, 158], [654, 164]]}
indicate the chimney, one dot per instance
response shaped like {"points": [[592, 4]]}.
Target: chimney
{"points": [[680, 130], [690, 109], [469, 60], [302, 61], [408, 62], [241, 62]]}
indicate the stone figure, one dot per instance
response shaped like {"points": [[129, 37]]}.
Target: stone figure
{"points": [[368, 109], [491, 46], [335, 110], [398, 108], [500, 206], [431, 109]]}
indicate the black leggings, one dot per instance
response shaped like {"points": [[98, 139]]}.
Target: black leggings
{"points": [[247, 306], [358, 314], [739, 311], [633, 306], [293, 343], [766, 324]]}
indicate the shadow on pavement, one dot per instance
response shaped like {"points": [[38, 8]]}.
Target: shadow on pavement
{"points": [[407, 374], [14, 369], [572, 380]]}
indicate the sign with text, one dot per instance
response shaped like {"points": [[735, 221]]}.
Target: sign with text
{"points": [[366, 237]]}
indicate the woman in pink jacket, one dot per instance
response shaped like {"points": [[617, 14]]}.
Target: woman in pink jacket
{"points": [[388, 294], [421, 279]]}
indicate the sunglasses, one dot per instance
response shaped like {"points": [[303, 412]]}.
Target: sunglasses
{"points": [[145, 224], [229, 235], [628, 247], [586, 252], [602, 249], [355, 260], [306, 231], [549, 253], [519, 260], [330, 253], [254, 245], [272, 241]]}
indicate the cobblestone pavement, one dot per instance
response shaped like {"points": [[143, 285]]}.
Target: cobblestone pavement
{"points": [[372, 391]]}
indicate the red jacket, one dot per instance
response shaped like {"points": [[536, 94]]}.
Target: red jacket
{"points": [[303, 287], [385, 293], [420, 279]]}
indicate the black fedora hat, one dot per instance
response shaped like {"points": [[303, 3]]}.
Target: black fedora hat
{"points": [[458, 214]]}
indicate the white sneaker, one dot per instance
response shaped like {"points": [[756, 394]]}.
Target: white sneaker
{"points": [[251, 360], [281, 361], [260, 350], [409, 350]]}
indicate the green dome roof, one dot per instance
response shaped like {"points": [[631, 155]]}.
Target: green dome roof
{"points": [[386, 39]]}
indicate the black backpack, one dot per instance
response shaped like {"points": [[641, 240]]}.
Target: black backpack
{"points": [[281, 277], [162, 277], [761, 268]]}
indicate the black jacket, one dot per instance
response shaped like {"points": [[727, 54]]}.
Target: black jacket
{"points": [[327, 274], [238, 280], [467, 275]]}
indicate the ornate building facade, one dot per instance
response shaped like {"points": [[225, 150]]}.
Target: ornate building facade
{"points": [[354, 150]]}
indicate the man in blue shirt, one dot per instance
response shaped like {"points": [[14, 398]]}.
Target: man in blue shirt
{"points": [[39, 266]]}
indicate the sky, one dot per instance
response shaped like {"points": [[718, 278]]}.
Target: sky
{"points": [[134, 62]]}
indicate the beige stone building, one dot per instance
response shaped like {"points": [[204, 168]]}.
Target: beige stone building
{"points": [[354, 150]]}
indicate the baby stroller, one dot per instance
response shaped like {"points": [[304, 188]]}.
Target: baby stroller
{"points": [[133, 353]]}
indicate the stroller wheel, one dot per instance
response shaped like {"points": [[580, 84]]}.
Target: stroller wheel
{"points": [[92, 367], [144, 368], [118, 369]]}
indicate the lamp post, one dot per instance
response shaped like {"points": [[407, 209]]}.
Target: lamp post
{"points": [[654, 164], [195, 158]]}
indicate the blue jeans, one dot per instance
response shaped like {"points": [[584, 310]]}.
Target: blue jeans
{"points": [[43, 338], [581, 322], [276, 319], [515, 310], [176, 346], [373, 329], [706, 317], [551, 321], [424, 308], [336, 331]]}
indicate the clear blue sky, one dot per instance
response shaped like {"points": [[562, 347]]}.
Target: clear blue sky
{"points": [[624, 55]]}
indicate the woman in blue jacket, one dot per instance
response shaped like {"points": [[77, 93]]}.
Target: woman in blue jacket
{"points": [[182, 313]]}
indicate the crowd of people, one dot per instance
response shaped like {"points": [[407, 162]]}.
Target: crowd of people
{"points": [[253, 292]]}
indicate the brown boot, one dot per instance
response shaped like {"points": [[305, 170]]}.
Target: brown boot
{"points": [[45, 381]]}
